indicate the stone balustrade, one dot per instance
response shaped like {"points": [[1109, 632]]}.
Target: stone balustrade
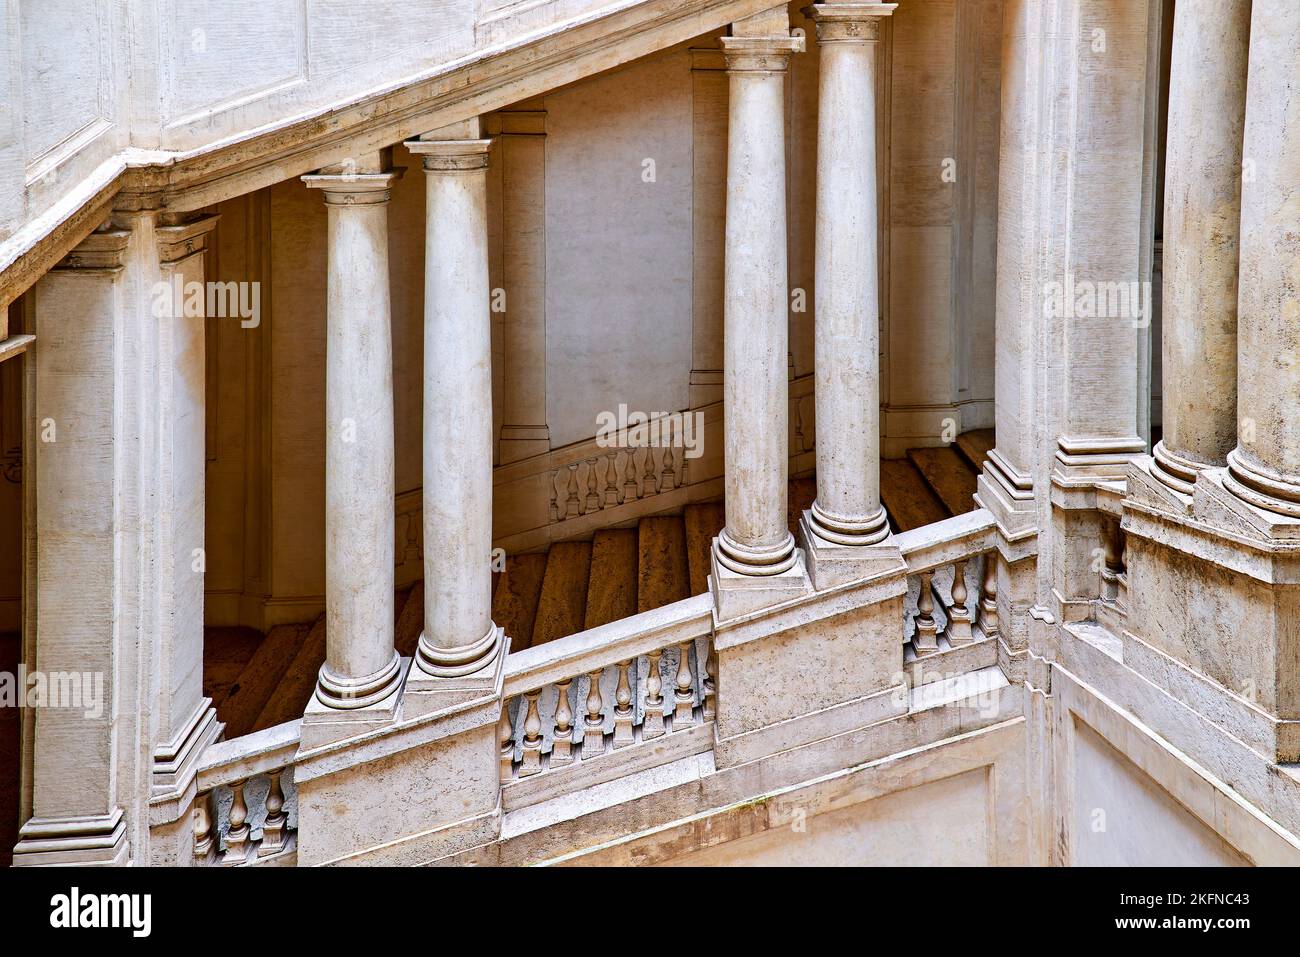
{"points": [[245, 809], [580, 701], [951, 585]]}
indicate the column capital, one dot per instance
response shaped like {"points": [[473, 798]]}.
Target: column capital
{"points": [[849, 22], [104, 249], [186, 236], [354, 189], [760, 54], [452, 156]]}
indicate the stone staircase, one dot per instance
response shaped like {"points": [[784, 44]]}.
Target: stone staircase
{"points": [[258, 683]]}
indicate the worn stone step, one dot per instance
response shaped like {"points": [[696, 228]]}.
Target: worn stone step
{"points": [[703, 522], [948, 473], [410, 621], [299, 682], [662, 575], [226, 653], [257, 682], [974, 446], [612, 586], [561, 609], [514, 603], [908, 499]]}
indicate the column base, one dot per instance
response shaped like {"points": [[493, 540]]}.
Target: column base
{"points": [[428, 692], [96, 840], [344, 694], [754, 562], [736, 594], [1174, 470], [1265, 490], [324, 724], [831, 563], [845, 531]]}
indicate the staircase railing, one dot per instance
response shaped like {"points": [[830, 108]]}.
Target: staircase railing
{"points": [[952, 583], [579, 702], [246, 808]]}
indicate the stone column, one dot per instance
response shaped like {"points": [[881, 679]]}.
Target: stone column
{"points": [[1264, 468], [847, 510], [460, 638], [756, 540], [1207, 111], [90, 381], [361, 666], [185, 719]]}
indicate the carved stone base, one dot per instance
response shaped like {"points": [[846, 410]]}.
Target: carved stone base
{"points": [[736, 595], [830, 564], [84, 841]]}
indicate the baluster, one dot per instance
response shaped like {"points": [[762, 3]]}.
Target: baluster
{"points": [[925, 641], [1110, 563], [669, 475], [649, 481], [237, 835], [572, 505], [273, 829], [506, 738], [593, 739], [555, 504], [959, 616], [686, 469], [684, 698], [531, 760], [630, 491], [562, 741], [611, 479], [711, 683], [593, 497], [989, 596], [203, 818], [1121, 578], [652, 721], [623, 708]]}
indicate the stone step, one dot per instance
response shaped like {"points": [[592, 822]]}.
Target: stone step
{"points": [[974, 446], [561, 609], [611, 588], [908, 499], [226, 653], [410, 621], [260, 678], [948, 474], [703, 522], [298, 684], [662, 576], [514, 604]]}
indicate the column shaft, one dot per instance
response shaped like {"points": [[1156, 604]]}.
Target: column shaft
{"points": [[847, 510], [361, 666], [756, 540], [1207, 110], [459, 635]]}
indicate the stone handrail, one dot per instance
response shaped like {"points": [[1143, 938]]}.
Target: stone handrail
{"points": [[245, 809], [611, 687], [952, 583]]}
